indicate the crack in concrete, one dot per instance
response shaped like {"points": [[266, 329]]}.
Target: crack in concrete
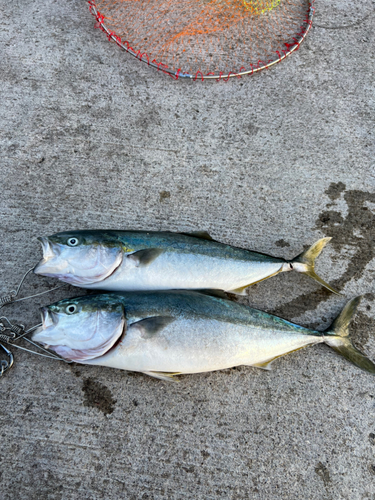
{"points": [[353, 25]]}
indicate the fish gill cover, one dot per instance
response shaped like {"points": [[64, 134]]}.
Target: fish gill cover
{"points": [[202, 39]]}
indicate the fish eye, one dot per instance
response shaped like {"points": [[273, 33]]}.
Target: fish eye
{"points": [[71, 309], [73, 242]]}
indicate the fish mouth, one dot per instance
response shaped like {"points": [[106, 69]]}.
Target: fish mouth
{"points": [[49, 252], [49, 320], [47, 247]]}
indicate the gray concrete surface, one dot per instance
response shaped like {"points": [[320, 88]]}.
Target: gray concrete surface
{"points": [[92, 138]]}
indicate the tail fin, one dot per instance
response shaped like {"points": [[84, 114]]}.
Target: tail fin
{"points": [[304, 263], [337, 337]]}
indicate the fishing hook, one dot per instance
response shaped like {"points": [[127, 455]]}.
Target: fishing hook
{"points": [[4, 364], [12, 332]]}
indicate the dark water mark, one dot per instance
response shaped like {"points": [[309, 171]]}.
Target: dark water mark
{"points": [[164, 195], [282, 243], [361, 328], [356, 230], [98, 396], [335, 189], [323, 472]]}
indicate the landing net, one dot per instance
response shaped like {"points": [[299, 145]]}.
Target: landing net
{"points": [[205, 39]]}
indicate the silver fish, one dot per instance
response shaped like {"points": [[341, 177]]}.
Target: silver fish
{"points": [[136, 260], [163, 334]]}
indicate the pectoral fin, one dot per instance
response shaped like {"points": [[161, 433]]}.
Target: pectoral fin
{"points": [[145, 257], [167, 377], [150, 327]]}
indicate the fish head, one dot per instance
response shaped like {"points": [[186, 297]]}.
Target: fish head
{"points": [[82, 328], [80, 257]]}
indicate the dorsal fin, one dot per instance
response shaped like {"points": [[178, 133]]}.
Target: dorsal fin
{"points": [[212, 292], [203, 235]]}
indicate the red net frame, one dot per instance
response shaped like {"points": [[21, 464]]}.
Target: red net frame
{"points": [[106, 24]]}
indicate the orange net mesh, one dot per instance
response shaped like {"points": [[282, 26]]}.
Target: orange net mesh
{"points": [[198, 38], [260, 6]]}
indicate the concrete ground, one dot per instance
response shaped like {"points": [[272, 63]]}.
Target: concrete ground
{"points": [[91, 138]]}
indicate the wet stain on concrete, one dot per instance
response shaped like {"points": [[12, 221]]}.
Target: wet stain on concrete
{"points": [[164, 195], [371, 438], [330, 217], [356, 230], [75, 370], [360, 330], [189, 469], [323, 472], [282, 243], [335, 189], [98, 396]]}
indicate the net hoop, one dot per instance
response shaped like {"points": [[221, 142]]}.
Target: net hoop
{"points": [[143, 56]]}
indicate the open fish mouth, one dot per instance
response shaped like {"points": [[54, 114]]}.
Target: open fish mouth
{"points": [[49, 249], [50, 252], [47, 318]]}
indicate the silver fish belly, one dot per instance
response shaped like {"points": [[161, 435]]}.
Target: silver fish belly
{"points": [[201, 345], [131, 260], [168, 333], [173, 270]]}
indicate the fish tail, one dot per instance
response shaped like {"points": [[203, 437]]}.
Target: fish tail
{"points": [[337, 337], [305, 262]]}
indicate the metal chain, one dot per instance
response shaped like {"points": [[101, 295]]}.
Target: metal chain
{"points": [[7, 299], [7, 338]]}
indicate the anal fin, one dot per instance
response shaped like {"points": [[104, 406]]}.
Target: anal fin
{"points": [[166, 376], [266, 365], [242, 290]]}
